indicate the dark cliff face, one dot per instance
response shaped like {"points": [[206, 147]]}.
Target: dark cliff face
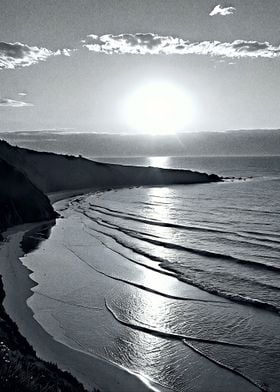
{"points": [[54, 172], [20, 200]]}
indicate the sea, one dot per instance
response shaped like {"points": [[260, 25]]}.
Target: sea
{"points": [[178, 284]]}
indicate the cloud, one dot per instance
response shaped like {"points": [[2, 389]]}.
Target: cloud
{"points": [[22, 94], [6, 102], [223, 11], [15, 55], [65, 52], [154, 44]]}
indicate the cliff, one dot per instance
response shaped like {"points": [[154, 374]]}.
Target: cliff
{"points": [[20, 200], [55, 172]]}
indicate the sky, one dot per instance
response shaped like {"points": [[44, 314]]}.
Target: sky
{"points": [[73, 64]]}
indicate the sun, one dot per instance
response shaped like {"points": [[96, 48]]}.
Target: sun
{"points": [[158, 107]]}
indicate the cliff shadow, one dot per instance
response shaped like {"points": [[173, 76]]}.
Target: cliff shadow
{"points": [[33, 238]]}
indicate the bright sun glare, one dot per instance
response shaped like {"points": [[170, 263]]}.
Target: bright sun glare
{"points": [[158, 107]]}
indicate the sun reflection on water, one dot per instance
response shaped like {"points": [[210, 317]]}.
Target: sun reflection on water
{"points": [[150, 354], [160, 212], [159, 161]]}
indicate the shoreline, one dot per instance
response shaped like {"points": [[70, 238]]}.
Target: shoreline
{"points": [[20, 367], [66, 358]]}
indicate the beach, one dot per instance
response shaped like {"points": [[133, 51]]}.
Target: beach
{"points": [[56, 306], [84, 368]]}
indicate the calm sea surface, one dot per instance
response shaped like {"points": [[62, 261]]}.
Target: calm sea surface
{"points": [[221, 236], [182, 274]]}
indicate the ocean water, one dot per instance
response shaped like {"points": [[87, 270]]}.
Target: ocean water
{"points": [[180, 284], [223, 237]]}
